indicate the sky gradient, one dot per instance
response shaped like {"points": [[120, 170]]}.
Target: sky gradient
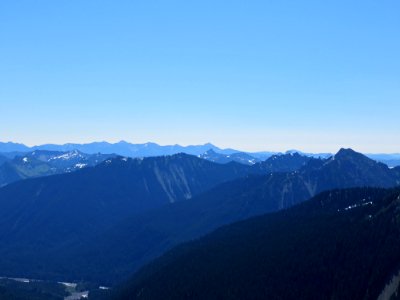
{"points": [[251, 75]]}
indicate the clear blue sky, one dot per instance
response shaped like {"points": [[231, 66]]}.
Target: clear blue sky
{"points": [[253, 75]]}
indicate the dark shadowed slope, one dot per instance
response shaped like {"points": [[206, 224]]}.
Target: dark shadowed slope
{"points": [[40, 218], [128, 245], [348, 169], [342, 244], [3, 159]]}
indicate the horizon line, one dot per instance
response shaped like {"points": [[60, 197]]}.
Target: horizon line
{"points": [[188, 145]]}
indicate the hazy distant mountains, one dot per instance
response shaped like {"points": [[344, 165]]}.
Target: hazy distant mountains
{"points": [[43, 163], [284, 163], [207, 151], [121, 148], [221, 158]]}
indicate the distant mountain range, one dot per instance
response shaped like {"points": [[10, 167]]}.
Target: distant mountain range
{"points": [[240, 157], [274, 163], [121, 148], [102, 223], [152, 149], [16, 166], [288, 162], [342, 244], [43, 163]]}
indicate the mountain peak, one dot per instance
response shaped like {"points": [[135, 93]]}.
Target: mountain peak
{"points": [[293, 151], [350, 155], [347, 152], [209, 145]]}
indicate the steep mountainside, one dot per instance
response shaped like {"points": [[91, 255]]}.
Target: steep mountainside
{"points": [[3, 159], [141, 238], [348, 169], [397, 170], [42, 217], [342, 244]]}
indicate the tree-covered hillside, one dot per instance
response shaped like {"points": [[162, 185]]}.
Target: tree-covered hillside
{"points": [[342, 244]]}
